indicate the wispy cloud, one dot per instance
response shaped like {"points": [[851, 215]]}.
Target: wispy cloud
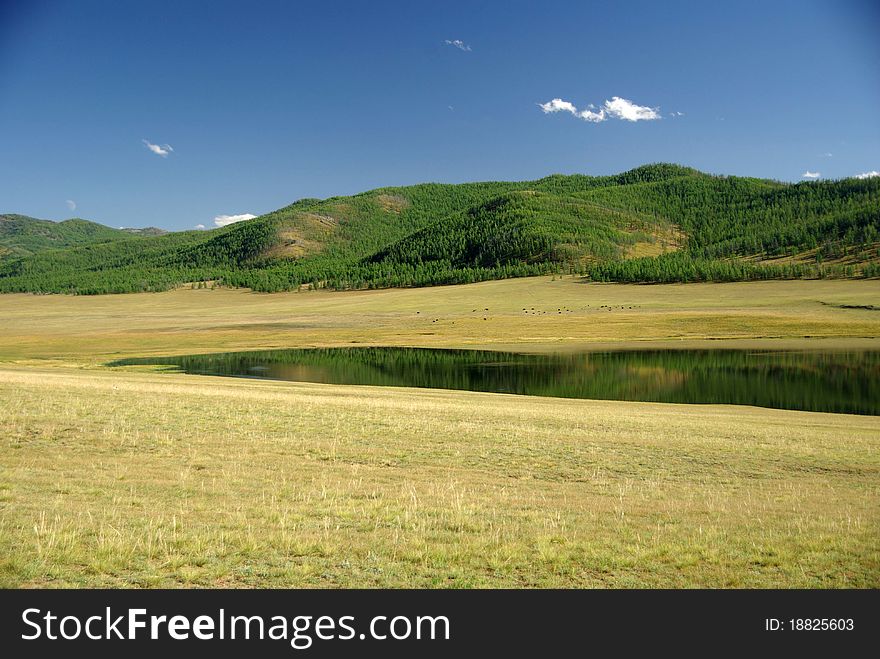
{"points": [[809, 174], [827, 154], [557, 105], [71, 204], [159, 149], [458, 43], [870, 174], [616, 108], [200, 226], [676, 114], [223, 220], [591, 116]]}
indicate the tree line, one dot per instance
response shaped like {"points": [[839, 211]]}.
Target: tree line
{"points": [[726, 229]]}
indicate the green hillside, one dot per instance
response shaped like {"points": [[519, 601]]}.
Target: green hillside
{"points": [[655, 223], [24, 236]]}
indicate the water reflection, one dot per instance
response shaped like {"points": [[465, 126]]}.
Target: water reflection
{"points": [[818, 381]]}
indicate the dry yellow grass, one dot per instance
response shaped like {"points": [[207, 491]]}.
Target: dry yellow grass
{"points": [[125, 478], [777, 313], [121, 479]]}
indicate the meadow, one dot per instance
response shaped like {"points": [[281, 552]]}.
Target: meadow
{"points": [[132, 477]]}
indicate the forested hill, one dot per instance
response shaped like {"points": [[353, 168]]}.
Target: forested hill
{"points": [[657, 223], [24, 236]]}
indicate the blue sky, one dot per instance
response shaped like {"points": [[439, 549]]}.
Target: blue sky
{"points": [[267, 102]]}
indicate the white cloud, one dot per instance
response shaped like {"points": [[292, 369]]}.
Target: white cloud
{"points": [[557, 105], [200, 226], [71, 204], [223, 220], [616, 108], [809, 174], [676, 114], [870, 174], [827, 154], [629, 111], [458, 43], [159, 149], [593, 117]]}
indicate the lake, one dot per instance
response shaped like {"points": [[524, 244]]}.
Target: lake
{"points": [[826, 381]]}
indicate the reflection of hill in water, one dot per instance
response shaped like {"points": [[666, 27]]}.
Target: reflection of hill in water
{"points": [[655, 377], [818, 381]]}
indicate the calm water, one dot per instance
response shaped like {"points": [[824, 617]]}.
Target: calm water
{"points": [[817, 381]]}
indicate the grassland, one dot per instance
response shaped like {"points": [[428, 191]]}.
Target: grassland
{"points": [[132, 478], [539, 313]]}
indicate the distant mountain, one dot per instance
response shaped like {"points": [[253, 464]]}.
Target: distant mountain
{"points": [[146, 231], [24, 236], [656, 223]]}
